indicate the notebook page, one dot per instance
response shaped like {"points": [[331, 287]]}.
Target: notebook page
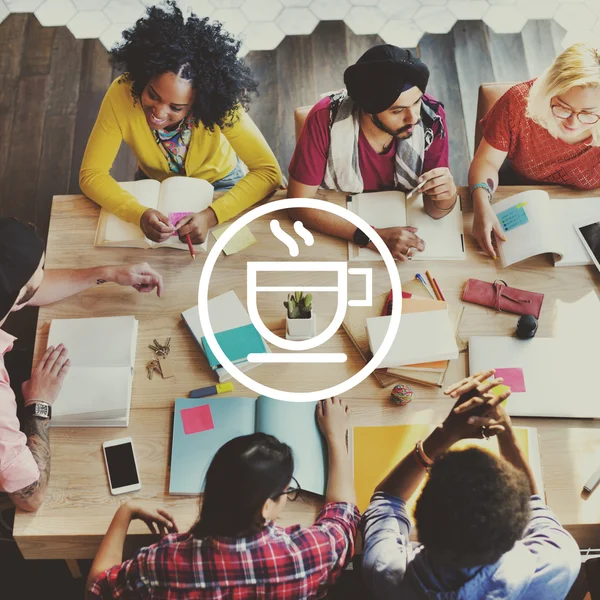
{"points": [[444, 238], [421, 337], [531, 227], [93, 390], [294, 423], [184, 194], [146, 192], [378, 209], [192, 453], [97, 342]]}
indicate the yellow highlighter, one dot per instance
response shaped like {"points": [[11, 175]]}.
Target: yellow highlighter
{"points": [[212, 390]]}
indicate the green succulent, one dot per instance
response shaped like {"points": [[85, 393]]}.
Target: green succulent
{"points": [[299, 305]]}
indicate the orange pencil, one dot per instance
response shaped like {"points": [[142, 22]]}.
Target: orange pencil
{"points": [[439, 291], [189, 241], [433, 286]]}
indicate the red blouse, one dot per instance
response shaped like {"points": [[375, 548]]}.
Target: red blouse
{"points": [[532, 151]]}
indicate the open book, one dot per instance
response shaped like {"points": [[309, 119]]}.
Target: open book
{"points": [[96, 391], [533, 223], [444, 238], [202, 426], [174, 195], [375, 451]]}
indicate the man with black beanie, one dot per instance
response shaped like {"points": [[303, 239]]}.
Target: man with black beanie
{"points": [[381, 132], [25, 457]]}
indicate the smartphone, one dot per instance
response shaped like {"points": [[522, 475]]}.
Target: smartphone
{"points": [[121, 466]]}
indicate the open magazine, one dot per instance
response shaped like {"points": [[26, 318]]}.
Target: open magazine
{"points": [[172, 197], [533, 224]]}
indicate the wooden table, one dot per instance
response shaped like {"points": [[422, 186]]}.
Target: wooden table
{"points": [[79, 507]]}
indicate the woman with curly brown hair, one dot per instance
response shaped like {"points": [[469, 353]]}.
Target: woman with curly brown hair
{"points": [[181, 106]]}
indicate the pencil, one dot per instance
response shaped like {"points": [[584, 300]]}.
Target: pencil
{"points": [[439, 291], [433, 287], [189, 242]]}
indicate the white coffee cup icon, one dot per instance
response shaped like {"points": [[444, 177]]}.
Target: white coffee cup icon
{"points": [[341, 288]]}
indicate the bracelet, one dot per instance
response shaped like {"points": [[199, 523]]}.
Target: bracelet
{"points": [[445, 209], [485, 187], [425, 461]]}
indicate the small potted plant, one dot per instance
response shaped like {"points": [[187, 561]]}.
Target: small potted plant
{"points": [[301, 318]]}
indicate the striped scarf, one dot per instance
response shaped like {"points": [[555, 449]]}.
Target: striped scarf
{"points": [[343, 171]]}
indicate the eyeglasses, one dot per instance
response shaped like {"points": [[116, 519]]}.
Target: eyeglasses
{"points": [[291, 492], [560, 112]]}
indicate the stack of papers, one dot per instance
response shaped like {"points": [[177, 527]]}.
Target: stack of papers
{"points": [[233, 329], [97, 389], [425, 335]]}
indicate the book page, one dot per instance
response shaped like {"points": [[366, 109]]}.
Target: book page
{"points": [[294, 423], [97, 342], [184, 194], [528, 227], [444, 238], [192, 452], [378, 209], [117, 231], [569, 212]]}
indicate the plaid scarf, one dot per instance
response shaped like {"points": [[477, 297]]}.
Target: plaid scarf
{"points": [[343, 171]]}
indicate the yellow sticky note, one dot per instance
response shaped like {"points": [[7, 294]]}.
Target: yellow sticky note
{"points": [[241, 240], [500, 389], [521, 205]]}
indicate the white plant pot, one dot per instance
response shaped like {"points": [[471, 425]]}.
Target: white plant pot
{"points": [[301, 329]]}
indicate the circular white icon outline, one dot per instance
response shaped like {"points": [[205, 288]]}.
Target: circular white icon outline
{"points": [[210, 263]]}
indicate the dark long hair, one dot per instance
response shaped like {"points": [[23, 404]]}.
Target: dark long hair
{"points": [[243, 475]]}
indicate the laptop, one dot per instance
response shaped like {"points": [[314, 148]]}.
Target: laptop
{"points": [[557, 379]]}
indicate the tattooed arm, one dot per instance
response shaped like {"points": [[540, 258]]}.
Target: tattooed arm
{"points": [[45, 383], [30, 498]]}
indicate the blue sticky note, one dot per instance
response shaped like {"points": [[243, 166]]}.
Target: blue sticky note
{"points": [[513, 217], [236, 343]]}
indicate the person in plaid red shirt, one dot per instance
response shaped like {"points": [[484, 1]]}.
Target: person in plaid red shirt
{"points": [[548, 129], [235, 550]]}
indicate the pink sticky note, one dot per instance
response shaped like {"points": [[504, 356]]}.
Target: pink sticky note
{"points": [[175, 217], [197, 419], [513, 378]]}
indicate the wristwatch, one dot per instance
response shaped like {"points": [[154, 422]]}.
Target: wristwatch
{"points": [[41, 410], [360, 238]]}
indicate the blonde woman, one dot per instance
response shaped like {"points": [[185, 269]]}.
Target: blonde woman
{"points": [[547, 129]]}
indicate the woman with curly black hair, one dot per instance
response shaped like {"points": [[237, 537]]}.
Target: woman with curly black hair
{"points": [[181, 106]]}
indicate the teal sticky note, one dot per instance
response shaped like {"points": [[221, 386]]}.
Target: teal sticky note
{"points": [[513, 217], [236, 343]]}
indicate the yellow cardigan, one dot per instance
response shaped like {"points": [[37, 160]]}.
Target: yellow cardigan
{"points": [[210, 156]]}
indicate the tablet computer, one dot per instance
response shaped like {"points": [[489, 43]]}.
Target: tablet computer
{"points": [[589, 233]]}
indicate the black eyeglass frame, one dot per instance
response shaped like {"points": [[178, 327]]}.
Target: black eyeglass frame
{"points": [[291, 492]]}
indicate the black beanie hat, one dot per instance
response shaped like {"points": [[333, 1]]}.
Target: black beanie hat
{"points": [[381, 74], [21, 250]]}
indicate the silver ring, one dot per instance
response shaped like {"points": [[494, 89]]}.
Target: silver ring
{"points": [[484, 434]]}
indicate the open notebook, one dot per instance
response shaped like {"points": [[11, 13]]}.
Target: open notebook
{"points": [[97, 389], [444, 238], [202, 426], [173, 195], [533, 223], [375, 451]]}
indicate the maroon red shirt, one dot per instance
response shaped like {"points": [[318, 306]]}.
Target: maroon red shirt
{"points": [[377, 170]]}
